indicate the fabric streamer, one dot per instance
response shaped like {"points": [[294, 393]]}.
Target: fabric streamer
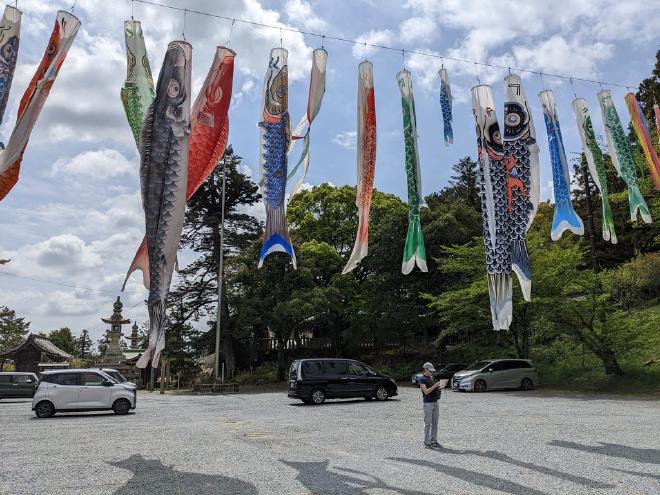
{"points": [[61, 39], [641, 127], [164, 140], [366, 161], [275, 138], [314, 100], [208, 138], [138, 90], [656, 112], [137, 94], [10, 32], [521, 162], [445, 104], [565, 217], [494, 206], [413, 251], [596, 164], [621, 154]]}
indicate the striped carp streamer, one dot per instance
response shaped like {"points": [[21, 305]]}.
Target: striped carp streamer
{"points": [[494, 206], [414, 252], [314, 100], [208, 137], [445, 105], [137, 94], [521, 162], [164, 141], [596, 164], [275, 138], [10, 32], [61, 39], [621, 155], [565, 217], [366, 161], [641, 127]]}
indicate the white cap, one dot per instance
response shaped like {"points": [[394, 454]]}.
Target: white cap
{"points": [[428, 366]]}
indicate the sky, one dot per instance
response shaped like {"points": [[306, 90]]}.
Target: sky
{"points": [[75, 216]]}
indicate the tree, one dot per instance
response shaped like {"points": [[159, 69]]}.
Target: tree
{"points": [[12, 329], [63, 338], [84, 344], [196, 294]]}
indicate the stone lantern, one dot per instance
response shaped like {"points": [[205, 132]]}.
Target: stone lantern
{"points": [[114, 352]]}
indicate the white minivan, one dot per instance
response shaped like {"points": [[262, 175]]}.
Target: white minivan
{"points": [[81, 390]]}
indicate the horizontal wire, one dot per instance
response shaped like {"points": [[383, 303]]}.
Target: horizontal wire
{"points": [[382, 47], [61, 284]]}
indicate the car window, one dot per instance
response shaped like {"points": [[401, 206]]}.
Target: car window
{"points": [[65, 379], [523, 365], [293, 371], [310, 369], [91, 379], [477, 366], [5, 379], [335, 367], [498, 366], [24, 379], [357, 369]]}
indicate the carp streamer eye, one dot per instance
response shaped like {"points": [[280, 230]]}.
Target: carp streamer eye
{"points": [[513, 120], [173, 88], [280, 91], [51, 49]]}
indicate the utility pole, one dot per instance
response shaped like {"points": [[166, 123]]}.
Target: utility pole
{"points": [[218, 323]]}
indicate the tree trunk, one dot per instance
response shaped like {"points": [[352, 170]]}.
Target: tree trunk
{"points": [[281, 363], [596, 345]]}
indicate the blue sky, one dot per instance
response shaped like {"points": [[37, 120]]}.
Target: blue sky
{"points": [[75, 216]]}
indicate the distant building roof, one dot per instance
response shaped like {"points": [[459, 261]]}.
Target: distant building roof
{"points": [[40, 343]]}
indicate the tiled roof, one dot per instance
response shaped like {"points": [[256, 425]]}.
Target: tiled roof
{"points": [[40, 343]]}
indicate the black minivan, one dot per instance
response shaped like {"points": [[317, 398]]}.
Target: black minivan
{"points": [[314, 380]]}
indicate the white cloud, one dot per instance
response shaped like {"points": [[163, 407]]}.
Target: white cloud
{"points": [[383, 37], [101, 164], [346, 139], [417, 29], [300, 13]]}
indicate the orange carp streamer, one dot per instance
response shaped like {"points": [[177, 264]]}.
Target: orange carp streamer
{"points": [[61, 39], [641, 128], [366, 161]]}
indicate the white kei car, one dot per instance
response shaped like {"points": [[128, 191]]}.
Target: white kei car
{"points": [[81, 390]]}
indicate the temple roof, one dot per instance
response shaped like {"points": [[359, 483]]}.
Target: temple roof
{"points": [[42, 344]]}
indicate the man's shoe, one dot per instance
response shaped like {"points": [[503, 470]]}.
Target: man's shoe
{"points": [[435, 445]]}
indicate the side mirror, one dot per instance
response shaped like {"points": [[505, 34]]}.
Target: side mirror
{"points": [[490, 370], [107, 383]]}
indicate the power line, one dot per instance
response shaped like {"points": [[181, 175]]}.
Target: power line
{"points": [[61, 284], [375, 45]]}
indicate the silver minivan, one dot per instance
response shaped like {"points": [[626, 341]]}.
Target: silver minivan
{"points": [[496, 374]]}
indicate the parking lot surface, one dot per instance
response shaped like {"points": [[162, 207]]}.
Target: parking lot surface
{"points": [[529, 443]]}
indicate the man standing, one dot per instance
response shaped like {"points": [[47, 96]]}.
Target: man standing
{"points": [[431, 394]]}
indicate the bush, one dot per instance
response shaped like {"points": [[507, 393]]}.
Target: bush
{"points": [[636, 281], [263, 375]]}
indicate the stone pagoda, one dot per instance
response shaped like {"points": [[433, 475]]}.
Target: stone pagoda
{"points": [[114, 354]]}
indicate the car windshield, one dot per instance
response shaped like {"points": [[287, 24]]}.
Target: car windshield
{"points": [[117, 376], [477, 366]]}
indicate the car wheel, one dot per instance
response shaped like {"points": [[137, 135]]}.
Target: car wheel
{"points": [[480, 386], [381, 393], [526, 384], [317, 396], [121, 406], [44, 409]]}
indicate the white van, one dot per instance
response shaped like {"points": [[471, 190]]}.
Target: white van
{"points": [[81, 390]]}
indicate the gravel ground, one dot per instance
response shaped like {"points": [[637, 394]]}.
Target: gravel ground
{"points": [[263, 443]]}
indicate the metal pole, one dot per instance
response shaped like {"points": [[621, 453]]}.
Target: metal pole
{"points": [[220, 274]]}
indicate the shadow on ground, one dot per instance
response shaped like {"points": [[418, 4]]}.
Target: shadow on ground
{"points": [[151, 476], [476, 478], [646, 456], [498, 456], [317, 478]]}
